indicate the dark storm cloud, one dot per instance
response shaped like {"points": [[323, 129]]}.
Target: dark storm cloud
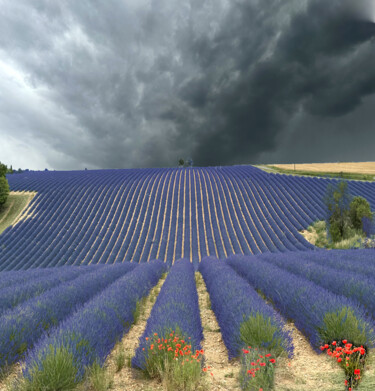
{"points": [[323, 63], [141, 83]]}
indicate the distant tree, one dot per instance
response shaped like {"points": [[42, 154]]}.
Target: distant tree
{"points": [[358, 209], [3, 169], [4, 190], [337, 200], [189, 162], [181, 163]]}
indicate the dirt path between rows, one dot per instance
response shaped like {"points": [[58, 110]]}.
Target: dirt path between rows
{"points": [[224, 373], [128, 378], [307, 370], [15, 372]]}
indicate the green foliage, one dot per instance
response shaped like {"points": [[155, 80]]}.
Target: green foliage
{"points": [[253, 376], [181, 162], [182, 377], [337, 200], [4, 190], [355, 239], [138, 309], [359, 208], [120, 360], [343, 324], [3, 169], [58, 373], [98, 378], [257, 331], [344, 213], [177, 372]]}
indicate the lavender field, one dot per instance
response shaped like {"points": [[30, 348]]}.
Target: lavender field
{"points": [[93, 244], [110, 216]]}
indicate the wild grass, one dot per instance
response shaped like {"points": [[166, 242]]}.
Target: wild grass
{"points": [[120, 359], [13, 206], [174, 371], [324, 174], [257, 331], [343, 325], [58, 373], [97, 379]]}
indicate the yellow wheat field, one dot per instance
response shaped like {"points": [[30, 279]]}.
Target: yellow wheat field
{"points": [[358, 167]]}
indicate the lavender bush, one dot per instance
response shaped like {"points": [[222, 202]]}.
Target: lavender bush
{"points": [[176, 307], [320, 314], [24, 325], [234, 301], [91, 332]]}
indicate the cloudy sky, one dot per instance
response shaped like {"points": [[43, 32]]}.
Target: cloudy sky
{"points": [[141, 83]]}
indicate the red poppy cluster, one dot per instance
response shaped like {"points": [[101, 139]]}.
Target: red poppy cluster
{"points": [[259, 362], [176, 347], [350, 357]]}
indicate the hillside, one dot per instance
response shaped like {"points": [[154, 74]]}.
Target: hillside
{"points": [[108, 216]]}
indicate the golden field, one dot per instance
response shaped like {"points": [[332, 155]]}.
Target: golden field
{"points": [[352, 167]]}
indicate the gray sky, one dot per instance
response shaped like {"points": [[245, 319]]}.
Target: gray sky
{"points": [[141, 83]]}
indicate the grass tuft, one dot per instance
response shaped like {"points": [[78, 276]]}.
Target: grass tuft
{"points": [[257, 331], [343, 324], [58, 373], [98, 378], [120, 359]]}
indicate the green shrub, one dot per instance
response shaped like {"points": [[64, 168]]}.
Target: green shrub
{"points": [[257, 370], [257, 331], [120, 360], [58, 373], [359, 208], [343, 325], [98, 378], [177, 372]]}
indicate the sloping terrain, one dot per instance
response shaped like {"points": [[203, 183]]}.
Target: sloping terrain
{"points": [[108, 216]]}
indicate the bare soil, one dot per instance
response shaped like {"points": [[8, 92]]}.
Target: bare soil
{"points": [[128, 378], [224, 372], [15, 372], [311, 237], [307, 370]]}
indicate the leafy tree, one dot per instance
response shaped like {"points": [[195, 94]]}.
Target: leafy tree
{"points": [[189, 162], [358, 209], [3, 169], [337, 200], [4, 186], [181, 163], [4, 190]]}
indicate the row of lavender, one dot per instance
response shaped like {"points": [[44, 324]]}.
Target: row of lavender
{"points": [[296, 283], [22, 326], [110, 216]]}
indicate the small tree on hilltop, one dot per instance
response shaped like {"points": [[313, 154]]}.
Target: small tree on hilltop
{"points": [[181, 163], [337, 201]]}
